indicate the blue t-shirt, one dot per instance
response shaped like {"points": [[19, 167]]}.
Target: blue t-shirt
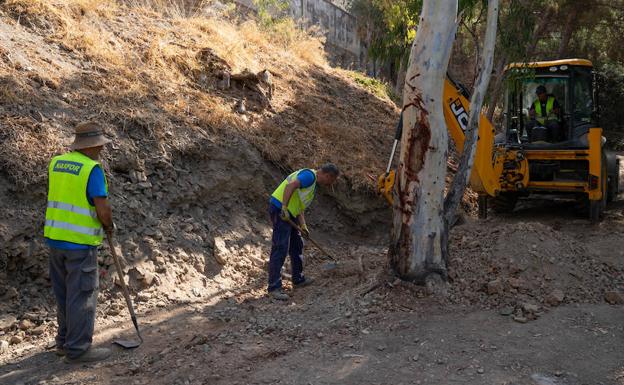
{"points": [[96, 188], [305, 177]]}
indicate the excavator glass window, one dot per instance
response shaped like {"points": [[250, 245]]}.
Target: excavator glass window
{"points": [[563, 114]]}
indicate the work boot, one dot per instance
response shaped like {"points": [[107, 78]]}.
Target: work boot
{"points": [[306, 282], [91, 355], [59, 352], [279, 295]]}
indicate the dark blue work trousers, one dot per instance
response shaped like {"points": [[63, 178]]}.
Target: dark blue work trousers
{"points": [[74, 277], [286, 240]]}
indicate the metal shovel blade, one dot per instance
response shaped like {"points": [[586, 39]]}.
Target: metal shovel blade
{"points": [[127, 344], [328, 266]]}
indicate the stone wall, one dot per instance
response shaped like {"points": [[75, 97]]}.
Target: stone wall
{"points": [[337, 24]]}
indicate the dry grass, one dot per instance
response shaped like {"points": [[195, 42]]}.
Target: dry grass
{"points": [[21, 149], [170, 8], [147, 79]]}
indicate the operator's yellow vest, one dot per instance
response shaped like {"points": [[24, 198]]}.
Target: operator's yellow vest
{"points": [[300, 199], [69, 216], [550, 103]]}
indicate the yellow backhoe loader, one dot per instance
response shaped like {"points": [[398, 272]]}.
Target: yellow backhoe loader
{"points": [[536, 150]]}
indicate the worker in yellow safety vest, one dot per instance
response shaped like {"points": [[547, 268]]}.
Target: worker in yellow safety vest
{"points": [[77, 214], [287, 204], [546, 111]]}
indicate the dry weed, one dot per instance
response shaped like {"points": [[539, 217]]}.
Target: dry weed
{"points": [[25, 148], [170, 8], [94, 41]]}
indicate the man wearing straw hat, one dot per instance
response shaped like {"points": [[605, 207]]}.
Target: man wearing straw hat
{"points": [[77, 214]]}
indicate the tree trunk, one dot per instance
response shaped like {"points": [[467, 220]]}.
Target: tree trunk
{"points": [[400, 82], [497, 89], [539, 31], [419, 239], [458, 186], [568, 29]]}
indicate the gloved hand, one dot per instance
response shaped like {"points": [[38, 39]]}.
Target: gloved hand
{"points": [[304, 230], [284, 214]]}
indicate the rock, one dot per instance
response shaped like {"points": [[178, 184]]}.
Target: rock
{"points": [[7, 321], [4, 346], [614, 298], [39, 330], [506, 311], [495, 287], [220, 251], [31, 316], [530, 308], [117, 282], [15, 340], [25, 325], [480, 371], [521, 320], [555, 297], [148, 279], [240, 107], [517, 283], [143, 297]]}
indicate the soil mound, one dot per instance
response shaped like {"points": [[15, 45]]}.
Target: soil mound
{"points": [[526, 262]]}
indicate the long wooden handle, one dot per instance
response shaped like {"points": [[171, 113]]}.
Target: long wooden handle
{"points": [[293, 224], [124, 288]]}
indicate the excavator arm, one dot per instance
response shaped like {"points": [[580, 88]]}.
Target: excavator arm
{"points": [[456, 108]]}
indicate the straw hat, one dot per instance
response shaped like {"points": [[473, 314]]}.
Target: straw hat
{"points": [[89, 134]]}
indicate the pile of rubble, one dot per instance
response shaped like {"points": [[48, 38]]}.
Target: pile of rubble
{"points": [[524, 267]]}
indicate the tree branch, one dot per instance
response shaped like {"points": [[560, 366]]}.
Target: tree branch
{"points": [[458, 186]]}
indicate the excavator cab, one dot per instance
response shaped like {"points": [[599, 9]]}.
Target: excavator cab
{"points": [[571, 89]]}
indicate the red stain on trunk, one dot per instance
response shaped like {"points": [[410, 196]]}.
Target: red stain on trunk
{"points": [[417, 146]]}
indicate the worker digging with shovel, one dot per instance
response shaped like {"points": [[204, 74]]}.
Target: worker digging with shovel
{"points": [[286, 207], [77, 215]]}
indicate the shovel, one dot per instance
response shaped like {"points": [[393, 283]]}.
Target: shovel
{"points": [[328, 265], [126, 344]]}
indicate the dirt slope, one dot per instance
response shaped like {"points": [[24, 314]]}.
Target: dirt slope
{"points": [[185, 167]]}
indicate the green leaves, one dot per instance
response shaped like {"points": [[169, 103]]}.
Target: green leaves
{"points": [[388, 26]]}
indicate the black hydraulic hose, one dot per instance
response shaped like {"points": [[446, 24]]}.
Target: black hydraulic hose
{"points": [[397, 138], [399, 128]]}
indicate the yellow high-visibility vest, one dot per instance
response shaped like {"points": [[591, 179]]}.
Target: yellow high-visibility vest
{"points": [[69, 215], [550, 103], [301, 198]]}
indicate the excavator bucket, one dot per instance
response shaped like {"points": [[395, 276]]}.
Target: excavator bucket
{"points": [[385, 185]]}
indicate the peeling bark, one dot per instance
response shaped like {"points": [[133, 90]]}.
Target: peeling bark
{"points": [[419, 239], [460, 181]]}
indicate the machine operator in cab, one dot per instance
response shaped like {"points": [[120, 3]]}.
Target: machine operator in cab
{"points": [[545, 112]]}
